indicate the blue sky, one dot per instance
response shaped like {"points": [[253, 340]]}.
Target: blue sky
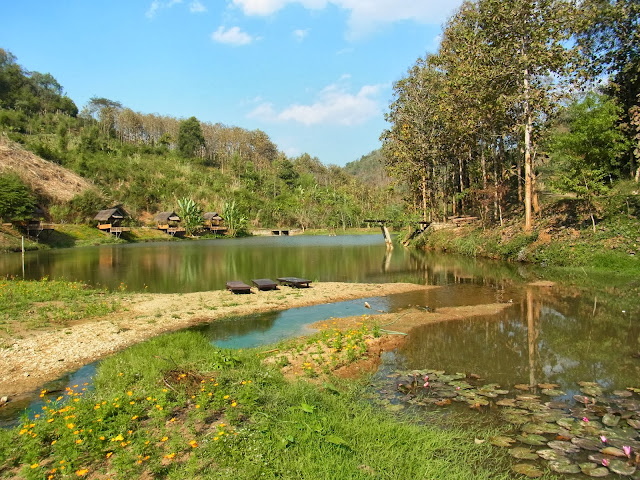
{"points": [[315, 75]]}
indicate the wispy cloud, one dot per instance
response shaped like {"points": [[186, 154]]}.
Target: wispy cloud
{"points": [[364, 15], [300, 35], [334, 105], [158, 5], [231, 36], [196, 7]]}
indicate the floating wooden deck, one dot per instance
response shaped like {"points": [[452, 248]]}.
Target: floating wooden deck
{"points": [[294, 282], [264, 284], [238, 287]]}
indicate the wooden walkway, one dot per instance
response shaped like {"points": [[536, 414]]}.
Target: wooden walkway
{"points": [[238, 287], [265, 284]]}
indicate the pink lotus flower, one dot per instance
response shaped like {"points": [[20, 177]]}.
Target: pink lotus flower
{"points": [[426, 378], [585, 419], [426, 384], [627, 450], [603, 439], [605, 462]]}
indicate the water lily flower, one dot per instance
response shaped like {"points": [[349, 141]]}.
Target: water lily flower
{"points": [[585, 419], [426, 384], [627, 450], [605, 462], [603, 439], [426, 378]]}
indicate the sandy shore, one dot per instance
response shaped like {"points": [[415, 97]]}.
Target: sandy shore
{"points": [[42, 356]]}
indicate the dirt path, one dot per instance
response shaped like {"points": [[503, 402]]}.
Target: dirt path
{"points": [[45, 355]]}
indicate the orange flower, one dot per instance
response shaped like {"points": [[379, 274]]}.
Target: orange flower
{"points": [[82, 473]]}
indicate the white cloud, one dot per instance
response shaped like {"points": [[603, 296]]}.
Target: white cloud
{"points": [[334, 105], [364, 15], [232, 36], [300, 35], [197, 7]]}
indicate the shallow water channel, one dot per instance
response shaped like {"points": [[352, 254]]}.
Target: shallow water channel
{"points": [[547, 335]]}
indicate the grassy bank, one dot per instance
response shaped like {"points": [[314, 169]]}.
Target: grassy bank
{"points": [[177, 407]]}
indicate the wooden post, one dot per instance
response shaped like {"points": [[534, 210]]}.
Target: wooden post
{"points": [[23, 257], [387, 236]]}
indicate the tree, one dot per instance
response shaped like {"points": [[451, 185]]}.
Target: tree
{"points": [[588, 147], [190, 138], [16, 200]]}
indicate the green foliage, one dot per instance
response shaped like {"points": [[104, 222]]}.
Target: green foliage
{"points": [[84, 206], [190, 137], [235, 221], [191, 214], [16, 200]]}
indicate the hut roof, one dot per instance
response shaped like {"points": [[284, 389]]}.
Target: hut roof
{"points": [[212, 216], [167, 216], [105, 215]]}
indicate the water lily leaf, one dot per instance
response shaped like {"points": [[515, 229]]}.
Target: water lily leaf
{"points": [[634, 390], [462, 384], [587, 443], [523, 453], [527, 398], [634, 423], [581, 399], [594, 391], [566, 447], [548, 386], [593, 470], [553, 393], [622, 393], [540, 428], [487, 393], [548, 416], [522, 386], [621, 468], [527, 469], [506, 402], [616, 452], [336, 440], [532, 439], [477, 402], [564, 467], [550, 454], [611, 420], [501, 441], [567, 423]]}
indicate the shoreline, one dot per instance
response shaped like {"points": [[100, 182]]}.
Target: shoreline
{"points": [[42, 356]]}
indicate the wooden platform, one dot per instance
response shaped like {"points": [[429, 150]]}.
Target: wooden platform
{"points": [[294, 282], [264, 284], [238, 287]]}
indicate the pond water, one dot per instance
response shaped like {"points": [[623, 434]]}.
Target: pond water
{"points": [[555, 335]]}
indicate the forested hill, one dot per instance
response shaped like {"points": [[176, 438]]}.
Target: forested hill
{"points": [[148, 162]]}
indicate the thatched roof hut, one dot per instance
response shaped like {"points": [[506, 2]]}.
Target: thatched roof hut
{"points": [[166, 217], [111, 215]]}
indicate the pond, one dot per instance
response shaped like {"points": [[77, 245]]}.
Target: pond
{"points": [[548, 335]]}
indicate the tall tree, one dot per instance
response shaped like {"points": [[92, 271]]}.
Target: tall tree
{"points": [[190, 138]]}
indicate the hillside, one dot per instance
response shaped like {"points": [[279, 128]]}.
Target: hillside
{"points": [[46, 179]]}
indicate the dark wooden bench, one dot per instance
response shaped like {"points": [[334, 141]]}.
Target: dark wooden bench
{"points": [[238, 287], [294, 282], [264, 284]]}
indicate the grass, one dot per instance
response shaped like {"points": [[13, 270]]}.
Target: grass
{"points": [[177, 407], [27, 304]]}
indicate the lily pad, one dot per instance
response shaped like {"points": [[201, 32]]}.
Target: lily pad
{"points": [[593, 470], [622, 393], [566, 447], [587, 443], [611, 420], [594, 391], [547, 386], [540, 428], [634, 423], [527, 398], [553, 393], [550, 454], [506, 402], [613, 451], [527, 469], [523, 453], [522, 386], [621, 468], [501, 441], [564, 467], [532, 439]]}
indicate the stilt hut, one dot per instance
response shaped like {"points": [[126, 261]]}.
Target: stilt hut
{"points": [[110, 220], [214, 223], [169, 222], [35, 226]]}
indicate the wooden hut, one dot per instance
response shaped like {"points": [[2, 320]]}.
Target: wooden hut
{"points": [[35, 226], [169, 222], [110, 220], [214, 223]]}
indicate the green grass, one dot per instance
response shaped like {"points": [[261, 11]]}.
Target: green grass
{"points": [[177, 407], [28, 304]]}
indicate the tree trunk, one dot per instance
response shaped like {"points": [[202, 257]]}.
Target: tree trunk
{"points": [[424, 198], [528, 167]]}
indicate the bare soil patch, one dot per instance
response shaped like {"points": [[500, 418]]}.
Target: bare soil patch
{"points": [[44, 355]]}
